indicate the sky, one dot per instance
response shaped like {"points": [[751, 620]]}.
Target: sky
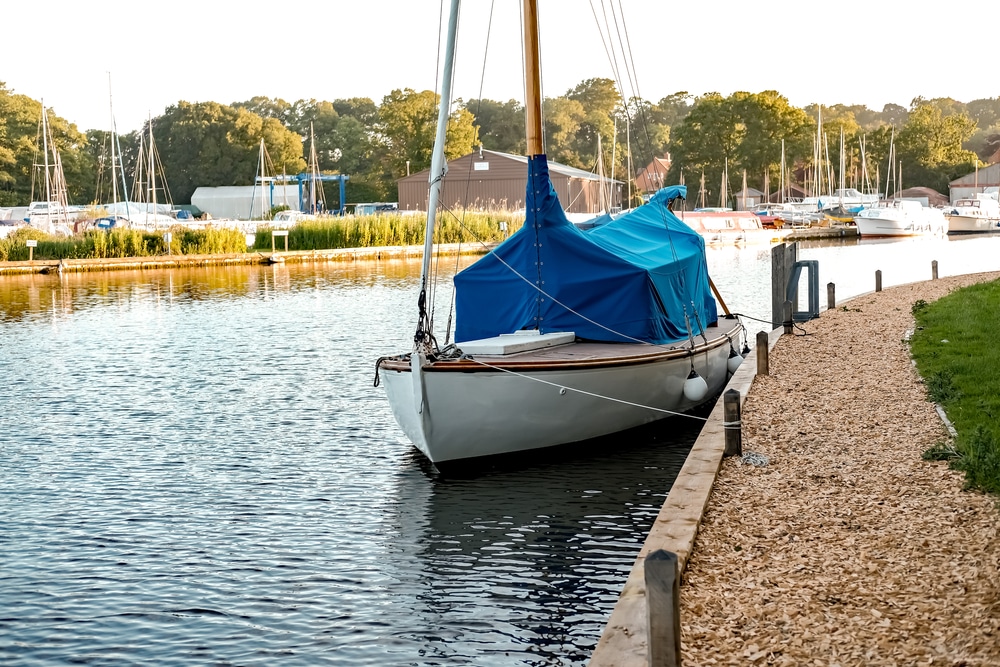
{"points": [[152, 56]]}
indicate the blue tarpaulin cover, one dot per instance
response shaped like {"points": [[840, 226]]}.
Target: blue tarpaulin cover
{"points": [[641, 277]]}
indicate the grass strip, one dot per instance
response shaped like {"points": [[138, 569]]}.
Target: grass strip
{"points": [[954, 347]]}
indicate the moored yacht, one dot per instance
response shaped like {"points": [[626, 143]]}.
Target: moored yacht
{"points": [[900, 217], [976, 214]]}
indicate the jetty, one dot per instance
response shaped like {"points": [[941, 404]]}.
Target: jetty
{"points": [[830, 541]]}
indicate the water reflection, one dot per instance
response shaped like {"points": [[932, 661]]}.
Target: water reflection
{"points": [[521, 565], [197, 469]]}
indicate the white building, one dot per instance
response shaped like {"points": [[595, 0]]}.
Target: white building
{"points": [[244, 202], [974, 182]]}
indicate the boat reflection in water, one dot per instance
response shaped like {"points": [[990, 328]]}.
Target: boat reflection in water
{"points": [[529, 561]]}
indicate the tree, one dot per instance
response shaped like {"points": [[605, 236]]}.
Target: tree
{"points": [[361, 109], [562, 118], [743, 131], [600, 101], [267, 107], [986, 112], [210, 144], [21, 146], [407, 125], [500, 125], [893, 114], [930, 146]]}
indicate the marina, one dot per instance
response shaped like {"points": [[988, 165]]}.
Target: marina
{"points": [[197, 468]]}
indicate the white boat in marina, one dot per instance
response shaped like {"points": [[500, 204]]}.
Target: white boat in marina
{"points": [[562, 335], [900, 217], [977, 214]]}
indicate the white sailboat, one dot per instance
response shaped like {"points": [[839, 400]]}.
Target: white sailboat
{"points": [[151, 210], [53, 214], [563, 335]]}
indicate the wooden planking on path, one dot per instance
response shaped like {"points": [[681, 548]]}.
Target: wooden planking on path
{"points": [[623, 642]]}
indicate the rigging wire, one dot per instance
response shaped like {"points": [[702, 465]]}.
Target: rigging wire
{"points": [[562, 388]]}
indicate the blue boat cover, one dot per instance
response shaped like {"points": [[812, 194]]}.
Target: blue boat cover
{"points": [[641, 277]]}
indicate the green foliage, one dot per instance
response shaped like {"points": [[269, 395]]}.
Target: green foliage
{"points": [[955, 351], [930, 146], [941, 387], [744, 130], [499, 125], [391, 229], [939, 451], [21, 150], [213, 144], [210, 144], [979, 459], [121, 243], [407, 125]]}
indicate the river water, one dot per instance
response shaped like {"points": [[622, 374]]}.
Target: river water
{"points": [[196, 469]]}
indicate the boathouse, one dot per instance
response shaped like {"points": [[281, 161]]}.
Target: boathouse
{"points": [[975, 182], [488, 180], [652, 178]]}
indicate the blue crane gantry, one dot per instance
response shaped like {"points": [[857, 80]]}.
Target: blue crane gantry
{"points": [[305, 203]]}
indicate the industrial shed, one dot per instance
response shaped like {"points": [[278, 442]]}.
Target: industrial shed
{"points": [[974, 182], [488, 180]]}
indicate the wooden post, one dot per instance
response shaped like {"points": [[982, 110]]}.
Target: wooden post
{"points": [[762, 352], [272, 243], [786, 314], [934, 270], [286, 242], [878, 280], [831, 296], [731, 421], [663, 609], [783, 258], [31, 254]]}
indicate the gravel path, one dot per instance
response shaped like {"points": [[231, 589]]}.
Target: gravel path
{"points": [[847, 548]]}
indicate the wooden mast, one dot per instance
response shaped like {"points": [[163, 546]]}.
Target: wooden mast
{"points": [[532, 81]]}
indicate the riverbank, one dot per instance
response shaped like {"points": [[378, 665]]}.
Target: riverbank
{"points": [[292, 256], [846, 548]]}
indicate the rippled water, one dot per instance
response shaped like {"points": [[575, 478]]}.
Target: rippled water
{"points": [[196, 469]]}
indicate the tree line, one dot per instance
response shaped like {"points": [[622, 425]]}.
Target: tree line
{"points": [[210, 144]]}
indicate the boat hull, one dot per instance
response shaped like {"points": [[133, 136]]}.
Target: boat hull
{"points": [[469, 410], [972, 224], [900, 221]]}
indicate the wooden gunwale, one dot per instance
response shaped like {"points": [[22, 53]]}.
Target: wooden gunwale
{"points": [[550, 359]]}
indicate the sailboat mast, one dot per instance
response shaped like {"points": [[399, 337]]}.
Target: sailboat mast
{"points": [[45, 152], [422, 339], [151, 176], [114, 173], [532, 80]]}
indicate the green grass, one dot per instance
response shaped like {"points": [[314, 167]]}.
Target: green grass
{"points": [[368, 231], [954, 347]]}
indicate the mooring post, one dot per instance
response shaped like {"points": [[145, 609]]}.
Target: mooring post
{"points": [[786, 314], [663, 620], [732, 422], [762, 361], [934, 269], [878, 280], [831, 296]]}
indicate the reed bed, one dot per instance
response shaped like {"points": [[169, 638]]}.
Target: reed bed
{"points": [[391, 229], [121, 243], [368, 231]]}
